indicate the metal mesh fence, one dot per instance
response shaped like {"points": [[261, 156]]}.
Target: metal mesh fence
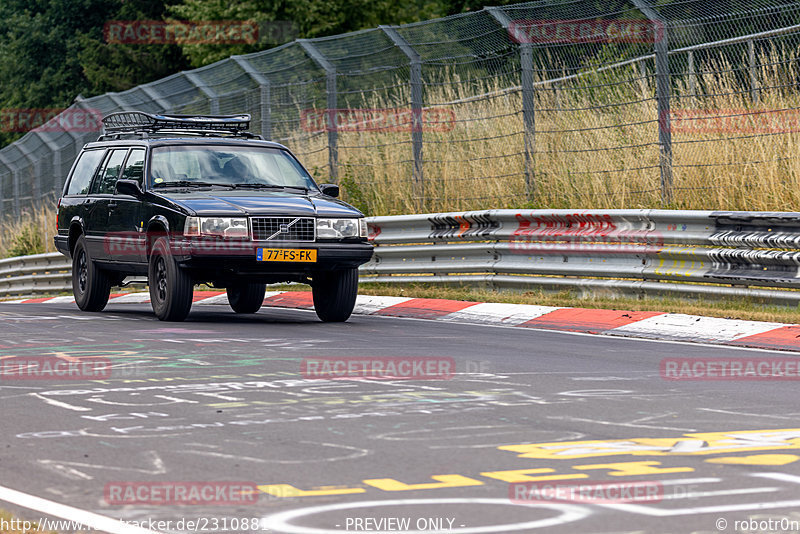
{"points": [[568, 103]]}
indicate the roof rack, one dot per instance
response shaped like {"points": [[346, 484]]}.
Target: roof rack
{"points": [[142, 124]]}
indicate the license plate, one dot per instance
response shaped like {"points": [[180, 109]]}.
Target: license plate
{"points": [[287, 254]]}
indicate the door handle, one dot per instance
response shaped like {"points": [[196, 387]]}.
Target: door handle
{"points": [[112, 205]]}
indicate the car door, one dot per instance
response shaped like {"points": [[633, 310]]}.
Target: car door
{"points": [[100, 196], [125, 228]]}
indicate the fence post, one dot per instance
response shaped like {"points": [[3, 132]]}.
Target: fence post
{"points": [[416, 107], [150, 91], [691, 74], [662, 98], [212, 96], [641, 67], [3, 187], [751, 58], [265, 94], [330, 90], [15, 189], [528, 99]]}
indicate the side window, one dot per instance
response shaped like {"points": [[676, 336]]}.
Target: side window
{"points": [[107, 181], [134, 167], [84, 171]]}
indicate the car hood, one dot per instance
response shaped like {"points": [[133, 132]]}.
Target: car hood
{"points": [[249, 202]]}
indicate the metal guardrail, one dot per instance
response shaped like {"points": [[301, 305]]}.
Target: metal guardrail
{"points": [[663, 252], [31, 275], [680, 253]]}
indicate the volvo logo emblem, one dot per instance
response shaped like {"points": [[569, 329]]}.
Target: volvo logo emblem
{"points": [[284, 228]]}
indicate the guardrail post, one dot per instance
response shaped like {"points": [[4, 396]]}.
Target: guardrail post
{"points": [[663, 91], [528, 100], [330, 90], [751, 59], [416, 107]]}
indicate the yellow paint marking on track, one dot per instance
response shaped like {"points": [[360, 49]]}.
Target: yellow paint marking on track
{"points": [[688, 445], [523, 475], [287, 490], [627, 469], [444, 481], [756, 459]]}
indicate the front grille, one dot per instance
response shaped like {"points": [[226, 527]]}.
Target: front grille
{"points": [[283, 228]]}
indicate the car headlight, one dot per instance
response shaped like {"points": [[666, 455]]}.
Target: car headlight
{"points": [[235, 227], [338, 228]]}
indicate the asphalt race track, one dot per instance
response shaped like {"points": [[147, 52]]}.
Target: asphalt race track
{"points": [[226, 399]]}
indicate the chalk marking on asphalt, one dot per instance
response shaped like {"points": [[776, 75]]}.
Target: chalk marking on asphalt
{"points": [[660, 512], [90, 519], [569, 513], [717, 493], [786, 477], [60, 404], [613, 423], [729, 412]]}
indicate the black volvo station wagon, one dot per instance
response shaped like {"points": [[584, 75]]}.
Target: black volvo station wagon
{"points": [[185, 200]]}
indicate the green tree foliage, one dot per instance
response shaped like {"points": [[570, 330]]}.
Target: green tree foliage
{"points": [[309, 18], [53, 50]]}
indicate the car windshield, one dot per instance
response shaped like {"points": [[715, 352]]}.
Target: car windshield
{"points": [[227, 165]]}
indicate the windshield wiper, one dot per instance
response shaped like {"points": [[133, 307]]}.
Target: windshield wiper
{"points": [[185, 183], [255, 185]]}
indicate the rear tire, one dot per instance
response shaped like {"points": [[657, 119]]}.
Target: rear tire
{"points": [[335, 294], [90, 284], [246, 297], [170, 285]]}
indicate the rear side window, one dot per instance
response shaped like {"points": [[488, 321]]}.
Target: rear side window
{"points": [[84, 171], [134, 168], [107, 182]]}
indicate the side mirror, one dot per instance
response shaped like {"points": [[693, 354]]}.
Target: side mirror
{"points": [[129, 187], [332, 190]]}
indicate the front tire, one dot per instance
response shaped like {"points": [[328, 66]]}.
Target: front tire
{"points": [[90, 284], [246, 297], [335, 294], [170, 285]]}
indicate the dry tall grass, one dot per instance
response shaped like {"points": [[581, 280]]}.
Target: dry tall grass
{"points": [[32, 233], [596, 146]]}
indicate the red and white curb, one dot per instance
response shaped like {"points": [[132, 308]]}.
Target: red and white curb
{"points": [[639, 324]]}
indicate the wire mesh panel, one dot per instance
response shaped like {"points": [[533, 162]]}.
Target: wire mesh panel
{"points": [[550, 103]]}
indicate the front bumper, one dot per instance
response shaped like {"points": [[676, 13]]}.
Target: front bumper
{"points": [[239, 257]]}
